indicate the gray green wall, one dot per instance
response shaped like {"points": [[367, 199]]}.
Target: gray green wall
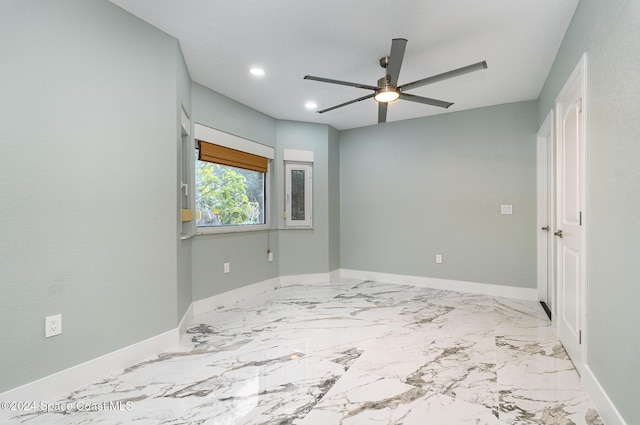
{"points": [[610, 34], [305, 251], [334, 198], [88, 170], [410, 190], [246, 252], [295, 251], [184, 294]]}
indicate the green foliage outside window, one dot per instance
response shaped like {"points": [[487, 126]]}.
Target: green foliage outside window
{"points": [[228, 196]]}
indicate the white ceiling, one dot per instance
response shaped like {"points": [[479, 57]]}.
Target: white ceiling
{"points": [[344, 40]]}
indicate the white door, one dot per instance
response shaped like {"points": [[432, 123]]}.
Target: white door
{"points": [[546, 288], [570, 118]]}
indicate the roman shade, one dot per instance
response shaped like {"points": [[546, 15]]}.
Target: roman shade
{"points": [[210, 152]]}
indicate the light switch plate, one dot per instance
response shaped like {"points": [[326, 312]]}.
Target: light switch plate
{"points": [[506, 209]]}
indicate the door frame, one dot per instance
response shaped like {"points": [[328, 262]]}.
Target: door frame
{"points": [[580, 74], [545, 166]]}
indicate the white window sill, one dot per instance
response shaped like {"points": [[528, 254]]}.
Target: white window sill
{"points": [[241, 229], [203, 231]]}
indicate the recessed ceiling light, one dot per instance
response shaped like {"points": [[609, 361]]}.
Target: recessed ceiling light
{"points": [[258, 72], [311, 105]]}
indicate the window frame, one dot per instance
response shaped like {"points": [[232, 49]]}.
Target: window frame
{"points": [[307, 167], [186, 203], [210, 135]]}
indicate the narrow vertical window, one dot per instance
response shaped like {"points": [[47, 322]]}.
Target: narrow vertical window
{"points": [[297, 195], [299, 190]]}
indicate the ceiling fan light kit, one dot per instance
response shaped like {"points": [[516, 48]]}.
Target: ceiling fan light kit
{"points": [[386, 95], [387, 89]]}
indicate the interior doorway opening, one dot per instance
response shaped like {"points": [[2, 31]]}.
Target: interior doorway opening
{"points": [[545, 216]]}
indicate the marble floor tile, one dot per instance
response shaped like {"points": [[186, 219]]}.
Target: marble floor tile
{"points": [[348, 352], [547, 407], [530, 363], [365, 398]]}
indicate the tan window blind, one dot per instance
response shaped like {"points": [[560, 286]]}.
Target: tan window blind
{"points": [[226, 156]]}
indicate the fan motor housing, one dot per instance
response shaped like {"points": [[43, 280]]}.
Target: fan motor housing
{"points": [[385, 82]]}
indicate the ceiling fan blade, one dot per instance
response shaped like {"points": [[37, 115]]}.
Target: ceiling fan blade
{"points": [[425, 100], [445, 75], [369, 96], [382, 112], [395, 60], [343, 83]]}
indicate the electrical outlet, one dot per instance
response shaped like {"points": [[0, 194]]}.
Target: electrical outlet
{"points": [[227, 268], [270, 256], [52, 325], [439, 258]]}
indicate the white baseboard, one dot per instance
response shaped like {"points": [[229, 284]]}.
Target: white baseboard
{"points": [[206, 305], [334, 276], [58, 384], [447, 284], [186, 320], [236, 295], [51, 387], [605, 407], [304, 279]]}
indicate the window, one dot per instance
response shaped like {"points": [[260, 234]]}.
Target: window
{"points": [[298, 194], [229, 196], [230, 184]]}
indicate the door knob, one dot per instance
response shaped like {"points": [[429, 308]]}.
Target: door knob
{"points": [[558, 233], [546, 228]]}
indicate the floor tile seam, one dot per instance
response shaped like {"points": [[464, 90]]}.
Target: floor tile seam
{"points": [[341, 393], [538, 366], [515, 355], [547, 388], [440, 330], [489, 367], [431, 392], [518, 358], [525, 336]]}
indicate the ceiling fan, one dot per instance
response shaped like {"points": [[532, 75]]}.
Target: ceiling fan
{"points": [[388, 89]]}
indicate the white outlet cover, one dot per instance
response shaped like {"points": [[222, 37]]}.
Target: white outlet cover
{"points": [[506, 209], [227, 267], [52, 325]]}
